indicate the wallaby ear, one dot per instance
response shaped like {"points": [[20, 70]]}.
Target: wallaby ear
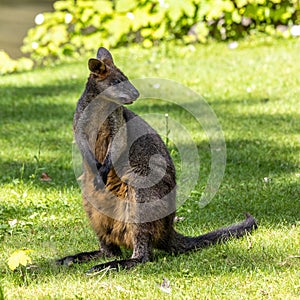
{"points": [[104, 54], [97, 66]]}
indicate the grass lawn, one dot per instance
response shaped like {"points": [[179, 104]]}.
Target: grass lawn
{"points": [[255, 92]]}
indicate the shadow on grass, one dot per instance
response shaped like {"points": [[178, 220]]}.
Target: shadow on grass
{"points": [[42, 104], [30, 172], [213, 261]]}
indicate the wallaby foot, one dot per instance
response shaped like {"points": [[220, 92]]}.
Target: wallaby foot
{"points": [[142, 253], [105, 251], [79, 258], [116, 265]]}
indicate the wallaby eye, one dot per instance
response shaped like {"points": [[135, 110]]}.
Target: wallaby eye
{"points": [[116, 81]]}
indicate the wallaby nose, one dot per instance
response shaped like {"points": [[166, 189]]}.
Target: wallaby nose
{"points": [[136, 93]]}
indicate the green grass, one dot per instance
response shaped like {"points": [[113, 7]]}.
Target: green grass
{"points": [[254, 90]]}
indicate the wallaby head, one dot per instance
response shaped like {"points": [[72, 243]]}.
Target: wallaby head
{"points": [[109, 81]]}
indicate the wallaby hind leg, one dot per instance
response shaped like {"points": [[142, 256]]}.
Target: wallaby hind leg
{"points": [[110, 250], [142, 253]]}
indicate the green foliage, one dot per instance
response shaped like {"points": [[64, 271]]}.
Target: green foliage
{"points": [[19, 258], [9, 65], [78, 27]]}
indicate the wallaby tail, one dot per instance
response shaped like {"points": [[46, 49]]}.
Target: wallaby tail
{"points": [[180, 243]]}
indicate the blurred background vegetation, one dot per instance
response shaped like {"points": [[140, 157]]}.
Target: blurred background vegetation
{"points": [[77, 27]]}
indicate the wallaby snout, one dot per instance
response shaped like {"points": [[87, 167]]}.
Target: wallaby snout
{"points": [[121, 93], [127, 92]]}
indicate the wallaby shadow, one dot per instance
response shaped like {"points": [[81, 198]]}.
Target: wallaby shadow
{"points": [[225, 258], [28, 103], [254, 164], [30, 118]]}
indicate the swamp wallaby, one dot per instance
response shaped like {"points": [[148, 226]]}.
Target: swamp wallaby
{"points": [[128, 179]]}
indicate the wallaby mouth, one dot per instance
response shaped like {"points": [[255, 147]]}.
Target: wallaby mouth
{"points": [[129, 100], [126, 101]]}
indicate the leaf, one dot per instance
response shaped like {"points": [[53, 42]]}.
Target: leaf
{"points": [[62, 5], [19, 257], [125, 5], [165, 286], [177, 219], [13, 222], [45, 177], [118, 27]]}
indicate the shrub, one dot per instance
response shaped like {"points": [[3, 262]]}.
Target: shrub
{"points": [[9, 65], [78, 27]]}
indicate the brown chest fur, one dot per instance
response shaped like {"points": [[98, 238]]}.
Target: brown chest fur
{"points": [[106, 228]]}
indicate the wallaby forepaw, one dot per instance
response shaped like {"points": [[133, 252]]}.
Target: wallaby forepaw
{"points": [[101, 178], [103, 172], [99, 183]]}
